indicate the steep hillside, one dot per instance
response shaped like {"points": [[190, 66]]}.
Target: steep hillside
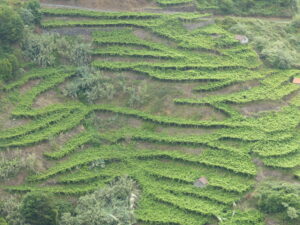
{"points": [[160, 96]]}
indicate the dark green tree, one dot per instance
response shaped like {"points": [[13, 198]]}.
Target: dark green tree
{"points": [[38, 209], [273, 197], [34, 7], [11, 25]]}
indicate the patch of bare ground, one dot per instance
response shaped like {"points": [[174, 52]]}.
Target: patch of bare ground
{"points": [[267, 173], [185, 130], [112, 121], [198, 24], [68, 18], [110, 5], [167, 147], [30, 84], [62, 138], [47, 98], [74, 31], [149, 36], [9, 122], [231, 89], [254, 108], [126, 59]]}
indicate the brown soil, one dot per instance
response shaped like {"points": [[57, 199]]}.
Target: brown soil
{"points": [[251, 109], [168, 147], [47, 98], [149, 36], [26, 87], [113, 5]]}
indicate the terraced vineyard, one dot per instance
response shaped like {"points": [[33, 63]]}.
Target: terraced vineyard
{"points": [[214, 71]]}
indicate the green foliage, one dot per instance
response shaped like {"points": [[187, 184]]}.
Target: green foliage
{"points": [[296, 22], [33, 6], [177, 156], [280, 197], [8, 66], [282, 8], [113, 205], [51, 49], [91, 85], [10, 210], [38, 209], [11, 26], [5, 69], [3, 221], [9, 166], [278, 56], [277, 43]]}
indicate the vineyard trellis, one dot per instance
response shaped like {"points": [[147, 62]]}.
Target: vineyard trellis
{"points": [[166, 177]]}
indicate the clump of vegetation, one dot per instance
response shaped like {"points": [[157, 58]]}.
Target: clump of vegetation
{"points": [[91, 85], [50, 49], [284, 198], [277, 43], [11, 164], [13, 16], [113, 205], [11, 26], [251, 7], [38, 209], [9, 65], [10, 210]]}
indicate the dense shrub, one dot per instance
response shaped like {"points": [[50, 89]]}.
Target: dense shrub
{"points": [[11, 164], [11, 25], [10, 210], [3, 221], [5, 69], [280, 198], [33, 6], [278, 56], [91, 85], [254, 7], [38, 209], [113, 205], [296, 22], [50, 49], [276, 43], [27, 16]]}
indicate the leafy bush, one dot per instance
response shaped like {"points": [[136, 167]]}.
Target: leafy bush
{"points": [[38, 209], [10, 210], [9, 65], [280, 198], [113, 205], [27, 16], [276, 43], [3, 221], [5, 69], [296, 22], [50, 49], [278, 56], [11, 25], [253, 7], [10, 165], [33, 6], [91, 85]]}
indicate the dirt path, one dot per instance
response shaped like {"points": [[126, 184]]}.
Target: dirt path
{"points": [[101, 5]]}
